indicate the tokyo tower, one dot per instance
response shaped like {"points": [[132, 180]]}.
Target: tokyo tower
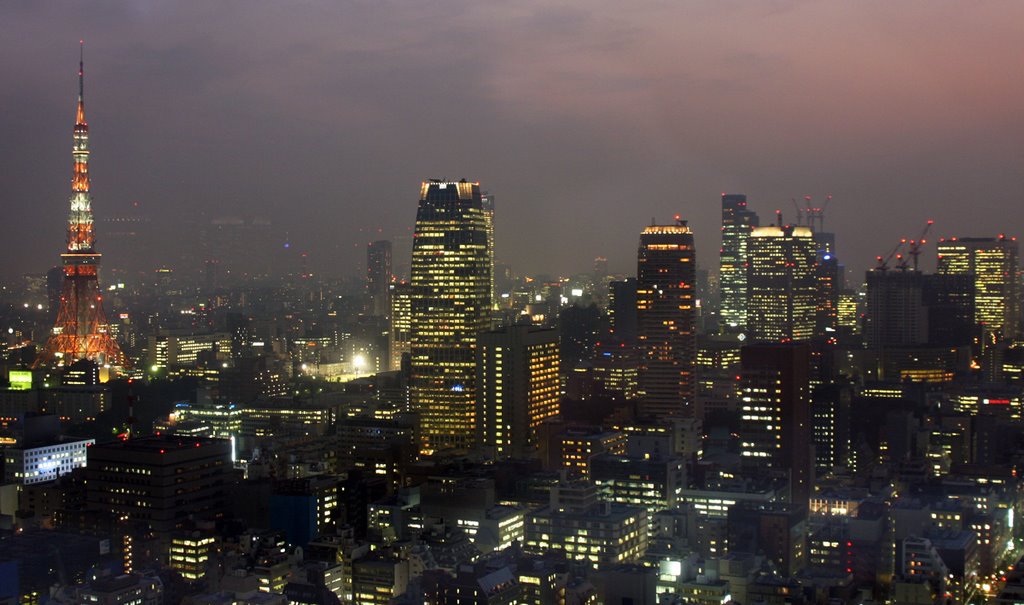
{"points": [[81, 330]]}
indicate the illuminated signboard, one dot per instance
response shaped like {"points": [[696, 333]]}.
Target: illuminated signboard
{"points": [[21, 380]]}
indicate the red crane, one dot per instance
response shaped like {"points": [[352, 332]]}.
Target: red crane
{"points": [[883, 262], [915, 244]]}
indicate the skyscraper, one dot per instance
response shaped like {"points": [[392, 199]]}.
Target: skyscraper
{"points": [[401, 323], [378, 278], [950, 302], [781, 284], [622, 311], [994, 263], [81, 330], [517, 387], [487, 201], [775, 427], [896, 315], [451, 302], [737, 223], [666, 318], [828, 277]]}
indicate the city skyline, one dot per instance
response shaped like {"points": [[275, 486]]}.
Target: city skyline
{"points": [[175, 122], [287, 387]]}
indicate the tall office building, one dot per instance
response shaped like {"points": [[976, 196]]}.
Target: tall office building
{"points": [[378, 278], [81, 330], [450, 303], [622, 311], [666, 318], [517, 387], [737, 223], [781, 286], [994, 263], [828, 277], [487, 201], [950, 302], [775, 427], [399, 335]]}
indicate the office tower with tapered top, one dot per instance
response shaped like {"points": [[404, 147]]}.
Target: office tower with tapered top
{"points": [[450, 305], [737, 223], [378, 278], [781, 286], [81, 330], [666, 319], [993, 261]]}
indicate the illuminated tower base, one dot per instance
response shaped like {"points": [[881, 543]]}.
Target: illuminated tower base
{"points": [[81, 330]]}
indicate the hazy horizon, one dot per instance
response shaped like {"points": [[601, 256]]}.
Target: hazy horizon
{"points": [[585, 119]]}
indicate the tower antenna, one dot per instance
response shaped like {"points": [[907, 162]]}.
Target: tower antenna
{"points": [[81, 70]]}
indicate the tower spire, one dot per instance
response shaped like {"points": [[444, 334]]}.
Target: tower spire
{"points": [[80, 118]]}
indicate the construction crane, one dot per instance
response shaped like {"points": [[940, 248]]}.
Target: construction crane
{"points": [[815, 215], [799, 212], [915, 244], [883, 262]]}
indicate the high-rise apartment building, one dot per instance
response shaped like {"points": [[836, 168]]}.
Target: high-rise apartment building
{"points": [[517, 387], [737, 223], [781, 287], [994, 263], [450, 303], [775, 427], [378, 278], [666, 319]]}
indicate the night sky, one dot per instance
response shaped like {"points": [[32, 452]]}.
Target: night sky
{"points": [[585, 119]]}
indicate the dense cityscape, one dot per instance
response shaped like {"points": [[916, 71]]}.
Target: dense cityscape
{"points": [[742, 417]]}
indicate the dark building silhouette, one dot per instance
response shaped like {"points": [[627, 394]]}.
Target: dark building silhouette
{"points": [[775, 428], [378, 278], [622, 311], [159, 480]]}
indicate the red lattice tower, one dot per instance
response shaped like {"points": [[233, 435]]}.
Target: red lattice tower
{"points": [[81, 330]]}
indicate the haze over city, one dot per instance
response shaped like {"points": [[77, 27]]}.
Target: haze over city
{"points": [[584, 119], [528, 303]]}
